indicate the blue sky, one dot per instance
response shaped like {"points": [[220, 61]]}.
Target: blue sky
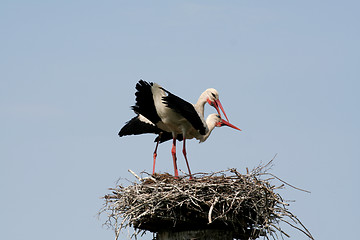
{"points": [[287, 73]]}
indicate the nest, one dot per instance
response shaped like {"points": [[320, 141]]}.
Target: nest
{"points": [[227, 200]]}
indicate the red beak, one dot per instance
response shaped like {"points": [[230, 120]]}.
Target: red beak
{"points": [[217, 104], [225, 123]]}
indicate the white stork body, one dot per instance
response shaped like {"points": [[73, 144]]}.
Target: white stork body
{"points": [[161, 112], [170, 120]]}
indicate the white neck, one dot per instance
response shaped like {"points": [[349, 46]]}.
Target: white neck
{"points": [[200, 105], [211, 123]]}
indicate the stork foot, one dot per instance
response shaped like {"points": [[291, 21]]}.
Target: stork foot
{"points": [[173, 153], [155, 155], [187, 163]]}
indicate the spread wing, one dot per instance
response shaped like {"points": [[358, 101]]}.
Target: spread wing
{"points": [[144, 101], [138, 125]]}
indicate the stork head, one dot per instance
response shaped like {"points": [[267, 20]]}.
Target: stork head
{"points": [[215, 120], [221, 122], [212, 97]]}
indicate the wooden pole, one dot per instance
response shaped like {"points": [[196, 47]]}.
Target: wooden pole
{"points": [[206, 234]]}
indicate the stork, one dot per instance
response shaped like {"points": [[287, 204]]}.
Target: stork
{"points": [[161, 112]]}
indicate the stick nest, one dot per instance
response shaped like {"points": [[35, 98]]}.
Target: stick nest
{"points": [[227, 200]]}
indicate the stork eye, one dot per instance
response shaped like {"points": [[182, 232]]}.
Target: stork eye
{"points": [[213, 94]]}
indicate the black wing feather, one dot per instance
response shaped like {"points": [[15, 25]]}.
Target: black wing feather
{"points": [[136, 127], [185, 109], [144, 101], [166, 136]]}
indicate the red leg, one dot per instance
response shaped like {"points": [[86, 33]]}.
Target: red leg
{"points": [[173, 152], [187, 163], [155, 154]]}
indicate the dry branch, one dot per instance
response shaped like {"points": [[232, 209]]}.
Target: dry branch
{"points": [[226, 200]]}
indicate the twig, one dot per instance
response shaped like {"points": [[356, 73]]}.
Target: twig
{"points": [[133, 173], [286, 182], [211, 209]]}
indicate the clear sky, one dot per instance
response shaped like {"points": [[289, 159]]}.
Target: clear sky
{"points": [[287, 73]]}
